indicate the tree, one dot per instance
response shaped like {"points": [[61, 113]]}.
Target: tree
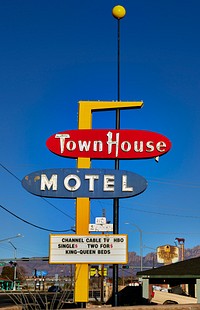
{"points": [[7, 273]]}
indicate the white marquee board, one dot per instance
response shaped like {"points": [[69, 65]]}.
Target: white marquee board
{"points": [[89, 249]]}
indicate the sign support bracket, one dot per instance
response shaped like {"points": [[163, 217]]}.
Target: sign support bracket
{"points": [[83, 204]]}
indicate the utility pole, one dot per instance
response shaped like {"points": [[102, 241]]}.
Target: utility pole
{"points": [[102, 268], [118, 12]]}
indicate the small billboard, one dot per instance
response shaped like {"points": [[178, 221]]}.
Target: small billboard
{"points": [[89, 249], [167, 254]]}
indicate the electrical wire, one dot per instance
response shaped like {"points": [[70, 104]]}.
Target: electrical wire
{"points": [[160, 213], [36, 226], [11, 173], [174, 182], [170, 182]]}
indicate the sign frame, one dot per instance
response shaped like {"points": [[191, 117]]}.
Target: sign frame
{"points": [[111, 251]]}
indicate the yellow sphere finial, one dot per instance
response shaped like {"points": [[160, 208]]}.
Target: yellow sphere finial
{"points": [[118, 11]]}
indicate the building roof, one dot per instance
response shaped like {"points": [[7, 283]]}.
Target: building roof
{"points": [[185, 269], [5, 280]]}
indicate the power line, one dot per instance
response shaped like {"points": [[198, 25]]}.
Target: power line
{"points": [[173, 182], [160, 213], [36, 226], [11, 173], [152, 212], [170, 233]]}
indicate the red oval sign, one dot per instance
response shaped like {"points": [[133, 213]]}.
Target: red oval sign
{"points": [[108, 144]]}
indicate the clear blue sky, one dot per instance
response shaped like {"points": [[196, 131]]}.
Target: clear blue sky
{"points": [[55, 53]]}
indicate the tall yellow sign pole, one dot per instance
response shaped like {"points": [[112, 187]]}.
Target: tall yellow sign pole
{"points": [[83, 204]]}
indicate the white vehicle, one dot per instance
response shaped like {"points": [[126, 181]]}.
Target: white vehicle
{"points": [[165, 297]]}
